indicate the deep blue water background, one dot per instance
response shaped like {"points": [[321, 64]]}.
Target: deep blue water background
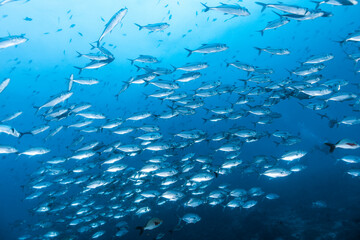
{"points": [[52, 59]]}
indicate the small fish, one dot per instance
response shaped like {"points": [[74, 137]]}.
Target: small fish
{"points": [[35, 151], [277, 172], [233, 9], [208, 48], [154, 27], [4, 84], [151, 224]]}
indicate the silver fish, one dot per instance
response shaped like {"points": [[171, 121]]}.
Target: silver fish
{"points": [[115, 20]]}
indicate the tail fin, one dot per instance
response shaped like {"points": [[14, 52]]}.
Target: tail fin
{"points": [[281, 16], [302, 105], [140, 27], [206, 7], [332, 146], [259, 49], [173, 67], [141, 230], [341, 42], [71, 80], [333, 122], [24, 133], [263, 5], [190, 52], [137, 68], [37, 108], [323, 116], [80, 69], [261, 32], [79, 54], [317, 4], [92, 46], [131, 60]]}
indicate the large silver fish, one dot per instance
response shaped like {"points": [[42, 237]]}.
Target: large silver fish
{"points": [[10, 41], [115, 20]]}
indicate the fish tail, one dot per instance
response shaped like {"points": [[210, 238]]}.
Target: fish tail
{"points": [[259, 49], [141, 230], [332, 146], [23, 133], [131, 60], [79, 54], [281, 16], [206, 7], [340, 42], [317, 4], [137, 68], [333, 122], [173, 67], [190, 51], [37, 108], [140, 27], [290, 72], [92, 46], [263, 5], [261, 32], [80, 69]]}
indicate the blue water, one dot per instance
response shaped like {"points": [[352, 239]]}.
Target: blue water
{"points": [[39, 70]]}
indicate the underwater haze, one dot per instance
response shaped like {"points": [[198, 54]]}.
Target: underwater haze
{"points": [[190, 120]]}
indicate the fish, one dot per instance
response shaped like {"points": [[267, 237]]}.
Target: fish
{"points": [[273, 51], [150, 225], [81, 81], [10, 131], [7, 149], [12, 117], [61, 98], [319, 59], [191, 218], [11, 41], [336, 2], [3, 2], [233, 9], [190, 67], [4, 84], [95, 64], [35, 151], [344, 144], [275, 24], [155, 27], [208, 48], [93, 57], [113, 22], [277, 172], [292, 9], [144, 59]]}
